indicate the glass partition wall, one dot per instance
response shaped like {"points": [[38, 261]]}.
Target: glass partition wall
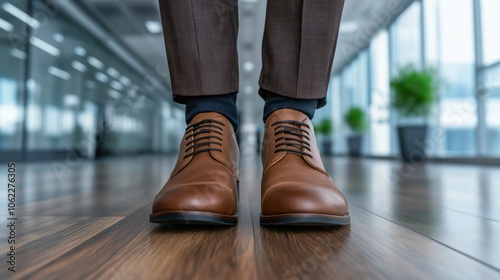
{"points": [[489, 75], [62, 90], [13, 54], [457, 38]]}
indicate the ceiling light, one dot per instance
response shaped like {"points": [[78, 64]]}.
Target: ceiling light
{"points": [[248, 89], [153, 26], [115, 94], [71, 100], [95, 62], [124, 80], [348, 27], [59, 73], [79, 66], [32, 85], [5, 25], [44, 46], [18, 13], [101, 77], [116, 85], [58, 37], [80, 51], [132, 93], [248, 66], [17, 53], [113, 73]]}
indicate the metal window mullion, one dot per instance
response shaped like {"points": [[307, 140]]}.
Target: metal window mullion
{"points": [[422, 35], [481, 131]]}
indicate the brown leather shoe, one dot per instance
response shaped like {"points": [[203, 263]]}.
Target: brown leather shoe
{"points": [[203, 187], [296, 189]]}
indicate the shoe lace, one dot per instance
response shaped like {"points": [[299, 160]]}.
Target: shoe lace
{"points": [[203, 130], [294, 138]]}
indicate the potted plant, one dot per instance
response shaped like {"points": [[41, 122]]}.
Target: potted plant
{"points": [[414, 92], [323, 130], [355, 118]]}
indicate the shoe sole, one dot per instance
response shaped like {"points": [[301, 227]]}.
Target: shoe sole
{"points": [[304, 220], [193, 218]]}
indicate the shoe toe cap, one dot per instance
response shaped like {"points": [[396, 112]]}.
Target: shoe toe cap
{"points": [[290, 198], [201, 197]]}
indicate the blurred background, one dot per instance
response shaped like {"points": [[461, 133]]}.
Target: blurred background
{"points": [[90, 77]]}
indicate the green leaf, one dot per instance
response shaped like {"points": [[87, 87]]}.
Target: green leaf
{"points": [[356, 119], [324, 127], [414, 91]]}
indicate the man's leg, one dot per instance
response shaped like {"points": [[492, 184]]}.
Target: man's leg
{"points": [[299, 43], [200, 37]]}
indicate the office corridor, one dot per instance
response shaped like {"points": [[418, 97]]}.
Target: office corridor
{"points": [[89, 220]]}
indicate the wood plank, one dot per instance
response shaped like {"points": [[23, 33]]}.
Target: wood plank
{"points": [[468, 189], [426, 201], [104, 175], [135, 249], [473, 236], [122, 197], [40, 240], [110, 196], [371, 248], [417, 228]]}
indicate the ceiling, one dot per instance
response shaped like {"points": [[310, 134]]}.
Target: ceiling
{"points": [[125, 20]]}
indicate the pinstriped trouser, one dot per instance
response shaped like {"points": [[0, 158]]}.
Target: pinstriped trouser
{"points": [[298, 47]]}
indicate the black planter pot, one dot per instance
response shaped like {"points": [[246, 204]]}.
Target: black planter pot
{"points": [[412, 143], [326, 147], [354, 144]]}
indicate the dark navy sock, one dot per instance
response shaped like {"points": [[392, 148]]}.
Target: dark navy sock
{"points": [[275, 102], [224, 104]]}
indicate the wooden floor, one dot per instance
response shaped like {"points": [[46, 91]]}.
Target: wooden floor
{"points": [[89, 220]]}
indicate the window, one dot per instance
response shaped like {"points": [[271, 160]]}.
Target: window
{"points": [[490, 21], [406, 38], [449, 46], [380, 128], [353, 92], [57, 99], [450, 49], [336, 105], [491, 74], [73, 80], [13, 54]]}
